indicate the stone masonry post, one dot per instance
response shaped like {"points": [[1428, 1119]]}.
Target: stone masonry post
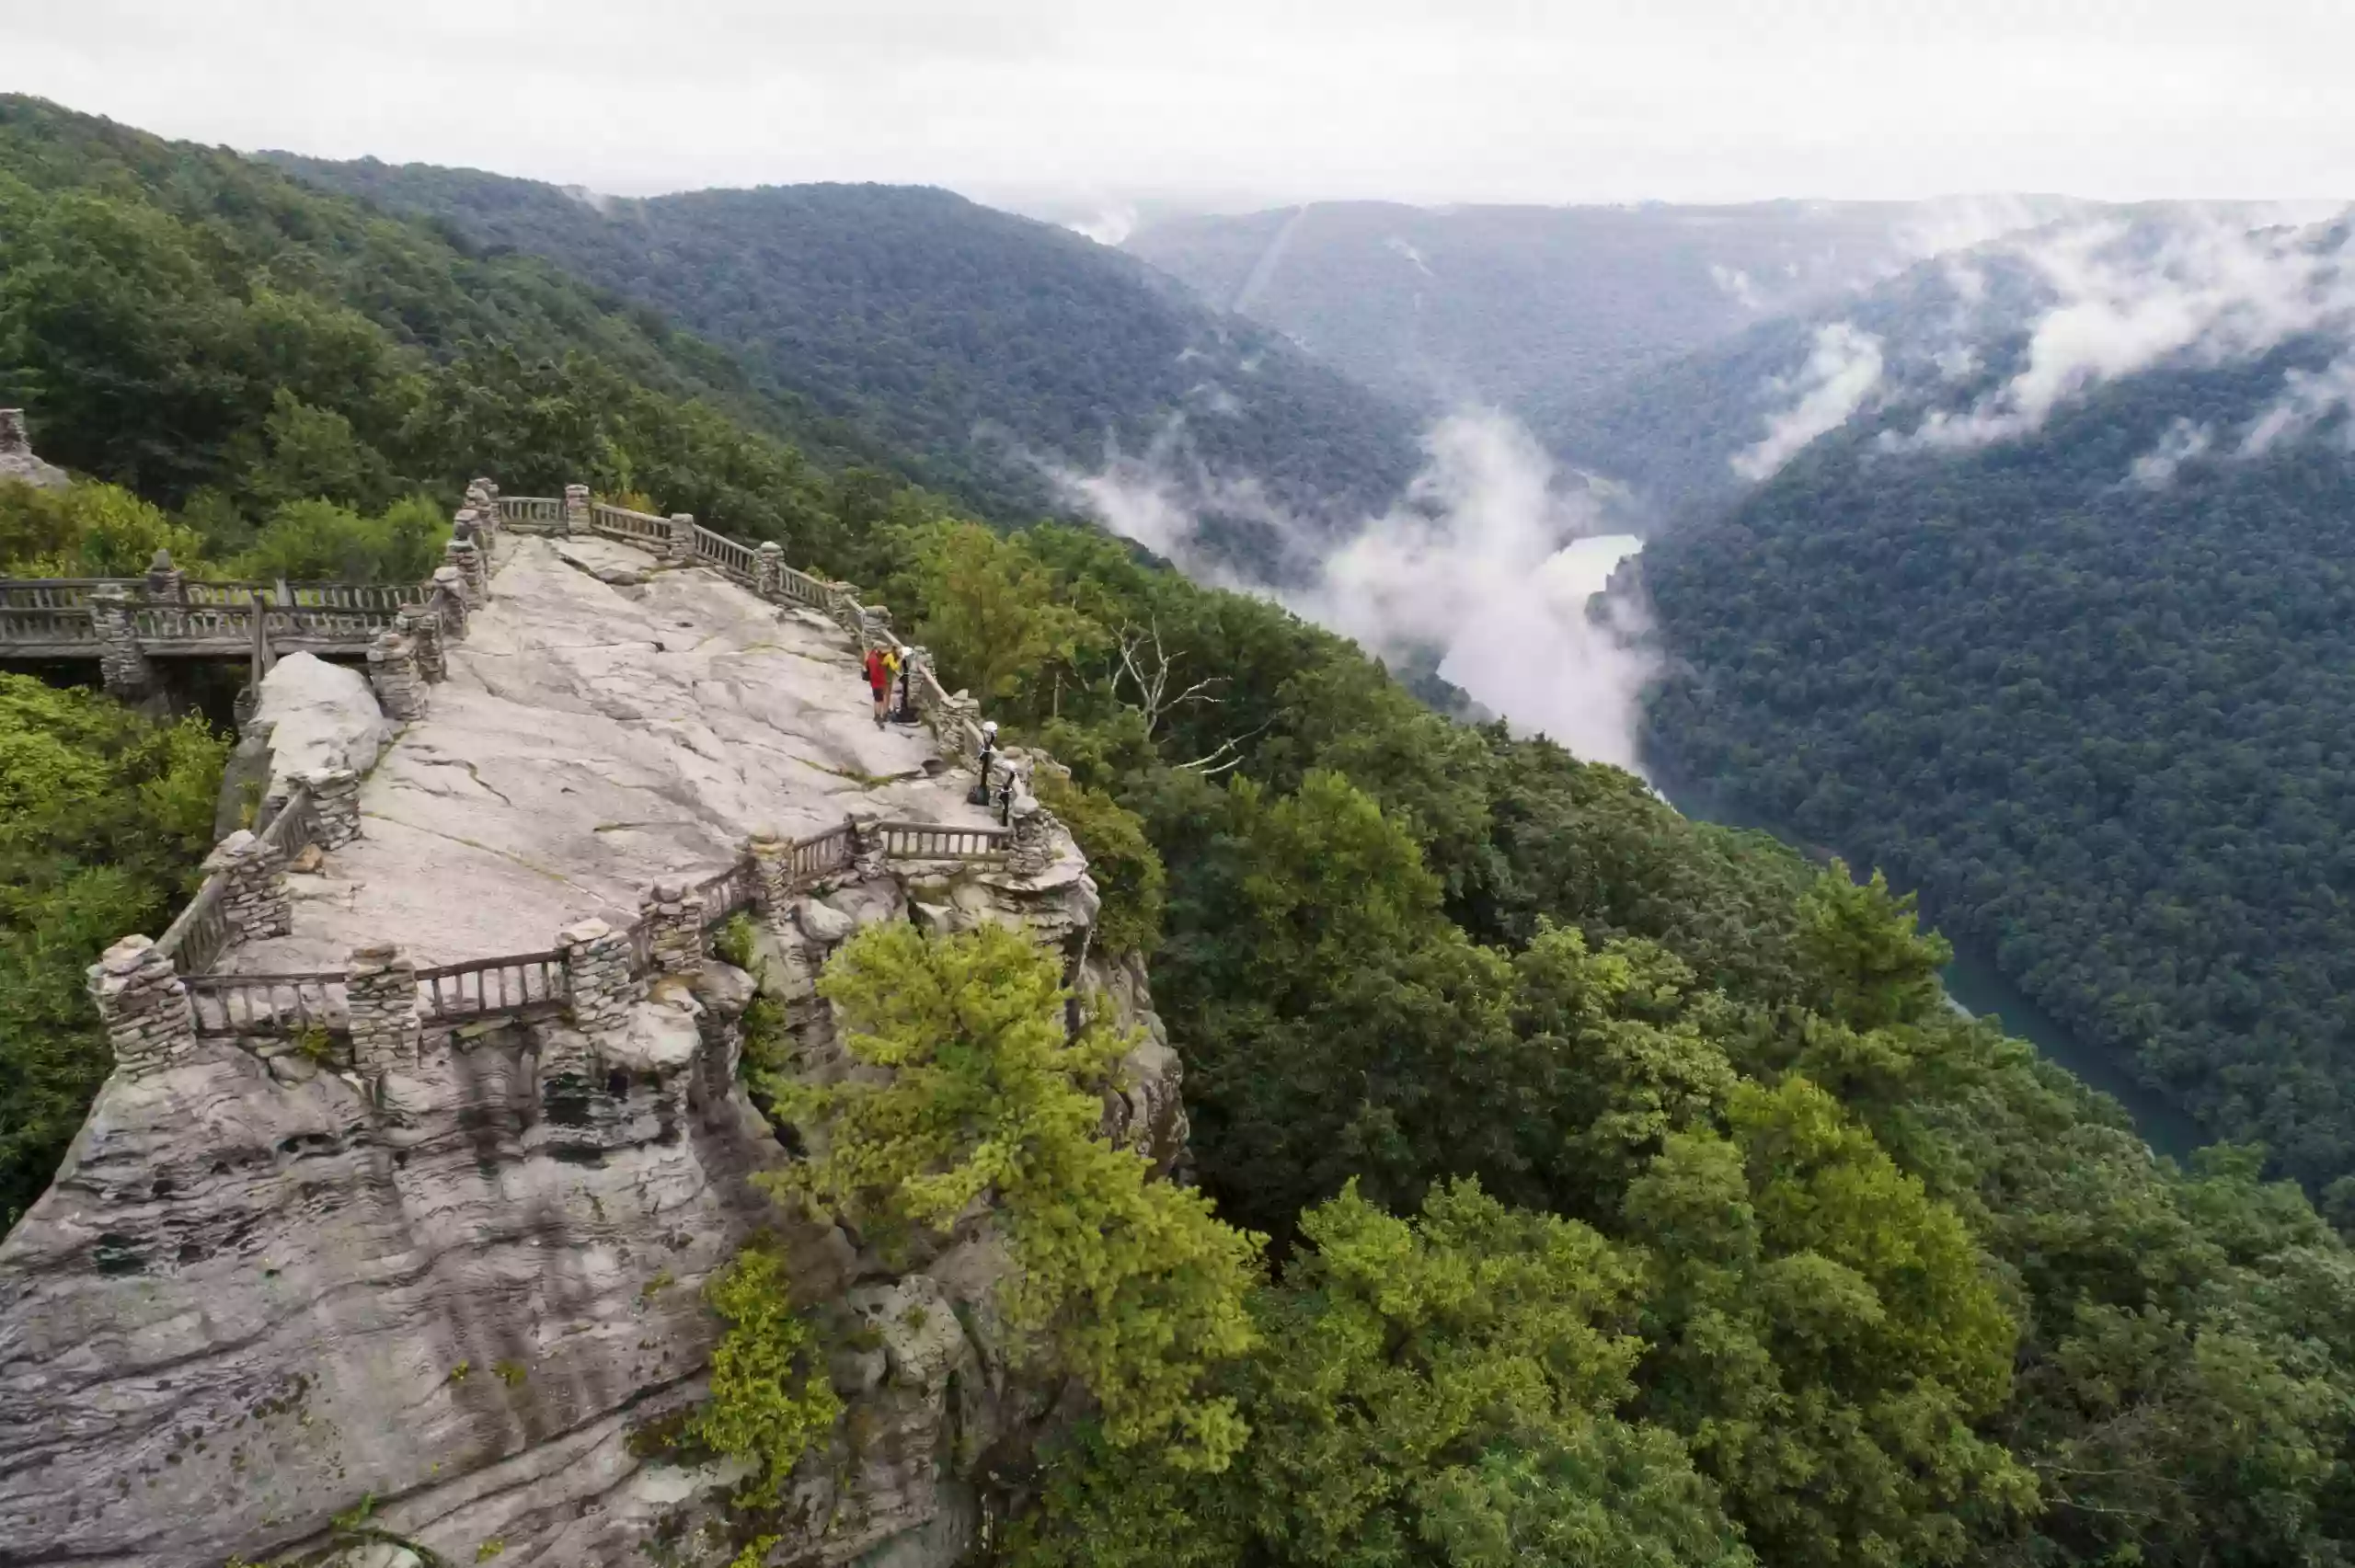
{"points": [[1034, 836], [255, 902], [422, 627], [400, 687], [451, 584], [380, 989], [867, 844], [673, 923], [122, 665], [596, 974], [682, 552], [875, 628], [167, 584], [335, 799], [463, 555], [772, 873], [575, 508], [143, 1006], [768, 573]]}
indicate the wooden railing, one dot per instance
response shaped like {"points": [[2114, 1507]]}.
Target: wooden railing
{"points": [[47, 627], [934, 841], [723, 895], [484, 987], [49, 593], [821, 853], [295, 824], [198, 937], [281, 1005], [532, 512], [624, 523], [738, 561], [801, 587]]}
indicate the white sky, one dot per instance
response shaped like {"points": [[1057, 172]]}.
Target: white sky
{"points": [[1415, 100]]}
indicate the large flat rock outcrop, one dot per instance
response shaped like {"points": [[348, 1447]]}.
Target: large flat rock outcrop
{"points": [[595, 736]]}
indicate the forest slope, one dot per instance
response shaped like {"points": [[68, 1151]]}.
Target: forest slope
{"points": [[2092, 691], [1771, 1258], [988, 346]]}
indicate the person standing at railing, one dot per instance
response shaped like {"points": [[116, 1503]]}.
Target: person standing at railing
{"points": [[907, 666], [880, 667], [980, 794]]}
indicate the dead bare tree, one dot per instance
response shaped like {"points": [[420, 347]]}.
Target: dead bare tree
{"points": [[1146, 665]]}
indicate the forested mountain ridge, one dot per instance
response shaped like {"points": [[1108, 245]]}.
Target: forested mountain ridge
{"points": [[1639, 1199], [1691, 433], [989, 346], [2089, 689]]}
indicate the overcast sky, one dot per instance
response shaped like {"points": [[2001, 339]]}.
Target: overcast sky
{"points": [[1230, 99]]}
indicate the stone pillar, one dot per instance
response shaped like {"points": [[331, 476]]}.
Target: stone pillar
{"points": [[422, 627], [874, 629], [380, 989], [121, 663], [1034, 836], [958, 723], [451, 597], [596, 974], [575, 508], [772, 873], [482, 500], [335, 799], [143, 1006], [674, 925], [465, 557], [392, 670], [768, 572], [867, 844], [842, 606], [167, 584], [682, 552], [255, 902]]}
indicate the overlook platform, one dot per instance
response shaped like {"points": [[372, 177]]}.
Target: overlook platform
{"points": [[606, 724]]}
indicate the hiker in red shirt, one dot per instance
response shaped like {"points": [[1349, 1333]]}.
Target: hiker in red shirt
{"points": [[879, 681]]}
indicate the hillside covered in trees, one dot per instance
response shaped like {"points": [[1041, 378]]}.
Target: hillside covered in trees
{"points": [[1631, 1194], [985, 346], [2092, 700]]}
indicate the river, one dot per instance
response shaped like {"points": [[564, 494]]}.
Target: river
{"points": [[1977, 987]]}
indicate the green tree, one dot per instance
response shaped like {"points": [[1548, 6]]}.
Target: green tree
{"points": [[1127, 1281], [1436, 1391], [103, 815], [991, 614], [770, 1401]]}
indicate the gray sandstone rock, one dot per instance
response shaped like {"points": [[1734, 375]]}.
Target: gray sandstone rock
{"points": [[262, 1288]]}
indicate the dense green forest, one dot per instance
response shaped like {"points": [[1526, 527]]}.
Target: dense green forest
{"points": [[978, 341], [2104, 727], [1629, 1194]]}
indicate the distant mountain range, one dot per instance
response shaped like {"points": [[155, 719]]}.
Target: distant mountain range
{"points": [[1007, 359]]}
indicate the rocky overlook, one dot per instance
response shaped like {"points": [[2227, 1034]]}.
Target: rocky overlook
{"points": [[429, 1275]]}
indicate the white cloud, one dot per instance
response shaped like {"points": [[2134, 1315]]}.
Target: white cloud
{"points": [[2182, 442], [1840, 373], [1484, 560], [2308, 397], [2125, 299], [1735, 282], [1490, 557], [1486, 99]]}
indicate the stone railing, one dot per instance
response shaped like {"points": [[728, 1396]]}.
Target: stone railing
{"points": [[123, 622], [370, 1016]]}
